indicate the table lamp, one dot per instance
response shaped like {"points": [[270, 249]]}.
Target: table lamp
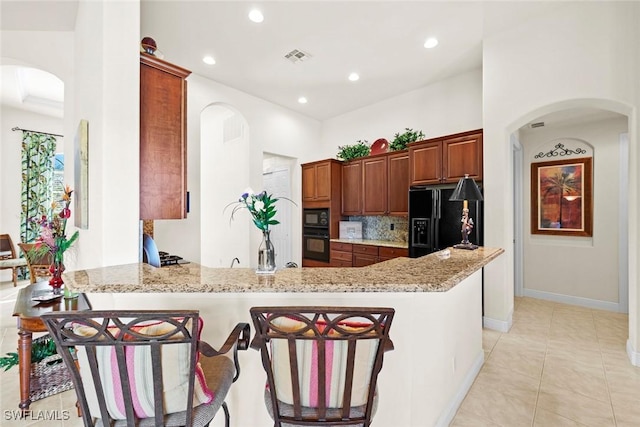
{"points": [[466, 190]]}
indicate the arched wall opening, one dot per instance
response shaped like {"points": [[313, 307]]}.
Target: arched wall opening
{"points": [[607, 125], [29, 103]]}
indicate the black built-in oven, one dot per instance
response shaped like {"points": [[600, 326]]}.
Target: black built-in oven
{"points": [[315, 244], [315, 218], [315, 234]]}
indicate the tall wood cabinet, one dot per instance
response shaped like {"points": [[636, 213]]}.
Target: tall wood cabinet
{"points": [[163, 139], [446, 159]]}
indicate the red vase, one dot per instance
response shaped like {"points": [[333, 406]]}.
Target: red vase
{"points": [[56, 281]]}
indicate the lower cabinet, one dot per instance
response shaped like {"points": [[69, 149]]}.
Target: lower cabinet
{"points": [[341, 254], [357, 255], [364, 255], [385, 253]]}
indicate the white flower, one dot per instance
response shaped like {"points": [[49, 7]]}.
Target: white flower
{"points": [[258, 205]]}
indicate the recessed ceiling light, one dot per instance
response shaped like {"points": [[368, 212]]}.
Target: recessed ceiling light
{"points": [[208, 59], [256, 16], [431, 43], [354, 77], [302, 100]]}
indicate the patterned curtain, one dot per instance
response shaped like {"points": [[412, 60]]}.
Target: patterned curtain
{"points": [[38, 150]]}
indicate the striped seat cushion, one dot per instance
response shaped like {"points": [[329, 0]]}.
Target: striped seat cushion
{"points": [[335, 367], [175, 375]]}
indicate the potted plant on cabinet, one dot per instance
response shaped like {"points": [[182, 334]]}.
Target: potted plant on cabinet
{"points": [[349, 152], [401, 140]]}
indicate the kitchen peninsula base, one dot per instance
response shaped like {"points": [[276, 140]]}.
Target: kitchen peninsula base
{"points": [[437, 328]]}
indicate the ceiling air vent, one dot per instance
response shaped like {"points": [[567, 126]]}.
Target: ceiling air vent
{"points": [[536, 125], [297, 56]]}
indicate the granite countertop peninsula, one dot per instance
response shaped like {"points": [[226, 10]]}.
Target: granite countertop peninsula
{"points": [[385, 243], [425, 274]]}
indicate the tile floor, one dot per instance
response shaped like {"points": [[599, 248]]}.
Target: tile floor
{"points": [[560, 365]]}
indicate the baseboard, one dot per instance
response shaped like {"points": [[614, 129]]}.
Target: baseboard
{"points": [[450, 411], [498, 325], [634, 356], [567, 299]]}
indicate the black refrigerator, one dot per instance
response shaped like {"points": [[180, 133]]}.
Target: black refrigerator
{"points": [[435, 222]]}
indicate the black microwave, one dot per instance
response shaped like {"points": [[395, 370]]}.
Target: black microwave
{"points": [[315, 218]]}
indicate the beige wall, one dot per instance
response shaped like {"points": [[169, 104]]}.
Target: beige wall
{"points": [[570, 268]]}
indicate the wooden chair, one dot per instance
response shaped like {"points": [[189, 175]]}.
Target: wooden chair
{"points": [[322, 363], [151, 360], [8, 258], [38, 264]]}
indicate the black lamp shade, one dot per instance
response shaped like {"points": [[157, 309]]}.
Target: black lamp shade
{"points": [[467, 189]]}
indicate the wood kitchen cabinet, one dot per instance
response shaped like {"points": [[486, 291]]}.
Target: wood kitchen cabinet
{"points": [[352, 188], [386, 253], [360, 255], [446, 159], [341, 254], [398, 183], [374, 185], [364, 255], [163, 139], [320, 180]]}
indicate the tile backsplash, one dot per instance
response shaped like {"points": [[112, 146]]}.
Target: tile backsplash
{"points": [[379, 227]]}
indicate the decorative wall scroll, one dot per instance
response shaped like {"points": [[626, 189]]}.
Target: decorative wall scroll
{"points": [[562, 197], [81, 173], [560, 151]]}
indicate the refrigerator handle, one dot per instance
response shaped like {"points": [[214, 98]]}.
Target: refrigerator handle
{"points": [[438, 203]]}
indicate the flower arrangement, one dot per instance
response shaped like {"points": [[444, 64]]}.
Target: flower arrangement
{"points": [[53, 238], [261, 206]]}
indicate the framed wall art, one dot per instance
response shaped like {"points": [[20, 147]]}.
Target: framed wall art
{"points": [[562, 197]]}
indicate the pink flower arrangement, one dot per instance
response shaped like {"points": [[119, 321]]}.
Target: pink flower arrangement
{"points": [[53, 238]]}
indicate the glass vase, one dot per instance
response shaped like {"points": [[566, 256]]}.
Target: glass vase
{"points": [[56, 281], [266, 255]]}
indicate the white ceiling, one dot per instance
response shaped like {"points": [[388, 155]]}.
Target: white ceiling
{"points": [[380, 40]]}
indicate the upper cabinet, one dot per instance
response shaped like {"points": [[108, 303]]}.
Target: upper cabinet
{"points": [[376, 185], [321, 181], [446, 159], [163, 139], [398, 183], [352, 188]]}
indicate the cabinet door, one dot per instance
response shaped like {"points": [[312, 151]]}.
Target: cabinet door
{"points": [[398, 184], [462, 155], [163, 152], [308, 183], [352, 188], [323, 181], [426, 163], [361, 260], [374, 175]]}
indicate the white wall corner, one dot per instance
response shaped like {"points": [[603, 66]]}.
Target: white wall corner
{"points": [[450, 411], [498, 325], [634, 354]]}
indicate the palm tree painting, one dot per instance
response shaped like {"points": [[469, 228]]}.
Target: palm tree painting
{"points": [[561, 203]]}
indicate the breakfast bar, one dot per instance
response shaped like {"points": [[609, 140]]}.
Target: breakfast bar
{"points": [[437, 329]]}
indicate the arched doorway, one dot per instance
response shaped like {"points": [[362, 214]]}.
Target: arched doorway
{"points": [[32, 99], [558, 268]]}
